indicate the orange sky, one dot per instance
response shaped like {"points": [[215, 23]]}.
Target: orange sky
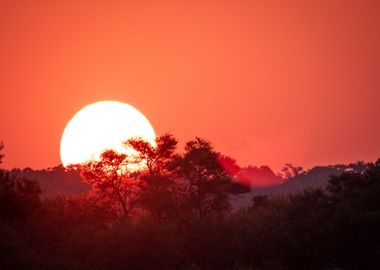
{"points": [[267, 82]]}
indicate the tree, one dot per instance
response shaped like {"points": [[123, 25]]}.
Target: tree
{"points": [[158, 192], [208, 184], [353, 226], [155, 157], [290, 171], [1, 149], [112, 182], [19, 197]]}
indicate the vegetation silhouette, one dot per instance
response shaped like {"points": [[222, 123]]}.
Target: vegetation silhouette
{"points": [[1, 148], [111, 182], [175, 213]]}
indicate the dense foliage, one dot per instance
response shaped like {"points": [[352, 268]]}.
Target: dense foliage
{"points": [[177, 214]]}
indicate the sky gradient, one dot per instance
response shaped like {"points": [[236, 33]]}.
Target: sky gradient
{"points": [[267, 82]]}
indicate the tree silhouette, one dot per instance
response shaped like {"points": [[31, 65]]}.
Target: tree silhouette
{"points": [[112, 183], [155, 157], [19, 196], [208, 184], [290, 170], [353, 226], [158, 192], [1, 149]]}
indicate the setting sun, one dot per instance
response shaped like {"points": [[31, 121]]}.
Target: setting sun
{"points": [[100, 126]]}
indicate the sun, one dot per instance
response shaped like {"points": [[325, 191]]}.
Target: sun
{"points": [[101, 126]]}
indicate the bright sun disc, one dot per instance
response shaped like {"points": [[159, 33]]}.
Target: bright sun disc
{"points": [[100, 126]]}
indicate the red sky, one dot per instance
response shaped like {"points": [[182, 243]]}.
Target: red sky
{"points": [[267, 82]]}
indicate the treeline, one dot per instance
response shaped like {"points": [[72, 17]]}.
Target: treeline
{"points": [[175, 214]]}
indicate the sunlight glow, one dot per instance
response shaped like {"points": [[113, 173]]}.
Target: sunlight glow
{"points": [[100, 126]]}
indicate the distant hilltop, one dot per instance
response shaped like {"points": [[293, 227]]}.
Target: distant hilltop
{"points": [[55, 181], [61, 181]]}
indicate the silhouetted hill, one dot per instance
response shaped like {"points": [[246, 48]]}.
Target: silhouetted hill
{"points": [[55, 181], [312, 178], [317, 177], [258, 177]]}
